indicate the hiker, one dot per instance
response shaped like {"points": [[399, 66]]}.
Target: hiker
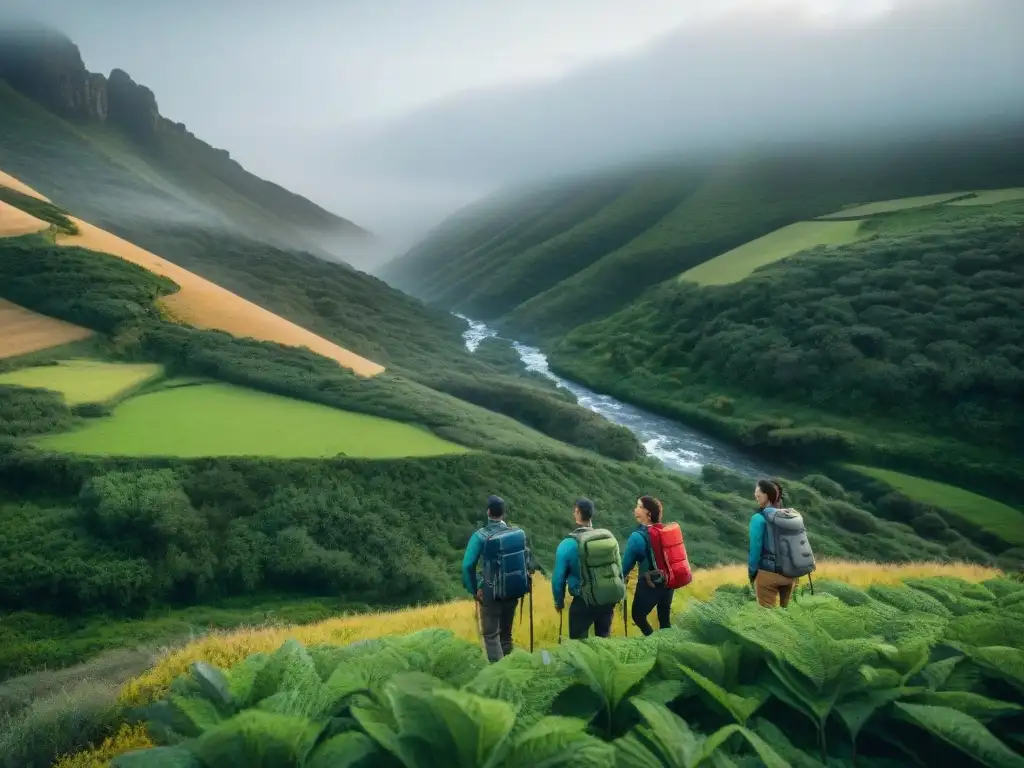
{"points": [[587, 562], [658, 552], [779, 550], [507, 576]]}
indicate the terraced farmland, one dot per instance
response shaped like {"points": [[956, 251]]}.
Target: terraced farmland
{"points": [[997, 518], [225, 420], [734, 265], [85, 381]]}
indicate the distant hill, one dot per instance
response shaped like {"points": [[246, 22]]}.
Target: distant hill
{"points": [[542, 261], [100, 146]]}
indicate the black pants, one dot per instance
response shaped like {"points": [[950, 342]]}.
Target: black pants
{"points": [[645, 600], [497, 617], [582, 616]]}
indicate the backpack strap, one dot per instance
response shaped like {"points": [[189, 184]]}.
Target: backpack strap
{"points": [[774, 532]]}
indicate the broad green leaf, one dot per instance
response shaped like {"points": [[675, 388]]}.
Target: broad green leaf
{"points": [[346, 750], [558, 741], [855, 711], [579, 700], [242, 677], [973, 704], [212, 683], [157, 757], [192, 717], [783, 747], [812, 701], [661, 692], [258, 740], [716, 662], [343, 683], [379, 723], [768, 756], [740, 705], [478, 726], [665, 739], [599, 669], [631, 752], [1001, 662], [963, 732], [935, 674]]}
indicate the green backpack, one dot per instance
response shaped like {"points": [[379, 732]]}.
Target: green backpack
{"points": [[600, 567]]}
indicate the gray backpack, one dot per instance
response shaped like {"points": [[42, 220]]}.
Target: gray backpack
{"points": [[785, 542]]}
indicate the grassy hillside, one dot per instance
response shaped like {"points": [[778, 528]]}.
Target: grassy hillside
{"points": [[902, 349], [760, 677], [548, 260], [345, 306]]}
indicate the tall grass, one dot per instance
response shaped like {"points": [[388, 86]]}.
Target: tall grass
{"points": [[228, 648]]}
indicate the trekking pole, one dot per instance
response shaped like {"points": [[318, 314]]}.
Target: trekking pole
{"points": [[625, 610], [811, 582], [560, 626], [531, 619], [476, 623]]}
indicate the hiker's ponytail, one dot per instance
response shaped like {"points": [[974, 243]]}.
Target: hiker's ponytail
{"points": [[772, 489], [653, 506], [782, 492]]}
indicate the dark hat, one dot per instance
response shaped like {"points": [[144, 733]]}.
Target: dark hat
{"points": [[495, 506], [586, 506]]}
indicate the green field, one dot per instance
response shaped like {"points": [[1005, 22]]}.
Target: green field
{"points": [[225, 420], [85, 381], [993, 516], [993, 196], [734, 265], [898, 204]]}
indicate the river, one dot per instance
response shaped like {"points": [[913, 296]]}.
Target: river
{"points": [[677, 446]]}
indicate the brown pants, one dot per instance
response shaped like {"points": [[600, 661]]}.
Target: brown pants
{"points": [[770, 585]]}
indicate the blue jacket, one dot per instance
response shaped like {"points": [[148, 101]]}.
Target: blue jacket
{"points": [[636, 551], [567, 571], [756, 555], [474, 549]]}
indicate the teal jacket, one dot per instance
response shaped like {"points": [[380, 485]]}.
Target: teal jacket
{"points": [[636, 552], [755, 557], [567, 571], [474, 549]]}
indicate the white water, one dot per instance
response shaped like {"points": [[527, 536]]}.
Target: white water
{"points": [[677, 446]]}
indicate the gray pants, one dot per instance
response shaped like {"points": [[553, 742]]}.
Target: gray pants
{"points": [[496, 618]]}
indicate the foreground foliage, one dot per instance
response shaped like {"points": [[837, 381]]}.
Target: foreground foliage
{"points": [[875, 677]]}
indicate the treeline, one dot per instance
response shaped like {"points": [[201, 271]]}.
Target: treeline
{"points": [[121, 535], [118, 298], [921, 331]]}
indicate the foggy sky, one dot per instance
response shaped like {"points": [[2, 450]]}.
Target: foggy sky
{"points": [[394, 112]]}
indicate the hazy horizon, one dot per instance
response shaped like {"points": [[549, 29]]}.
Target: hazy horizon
{"points": [[395, 114]]}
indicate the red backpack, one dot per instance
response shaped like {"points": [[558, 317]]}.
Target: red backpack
{"points": [[670, 554]]}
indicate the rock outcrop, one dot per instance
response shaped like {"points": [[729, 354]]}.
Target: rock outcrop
{"points": [[47, 67]]}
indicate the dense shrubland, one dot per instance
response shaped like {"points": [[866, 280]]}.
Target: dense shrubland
{"points": [[926, 672], [85, 537], [117, 298], [901, 347]]}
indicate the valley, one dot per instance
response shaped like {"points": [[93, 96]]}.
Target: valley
{"points": [[238, 473]]}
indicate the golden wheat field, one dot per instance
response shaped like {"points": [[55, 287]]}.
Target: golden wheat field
{"points": [[15, 222], [23, 331], [199, 302], [227, 648], [207, 305], [19, 186]]}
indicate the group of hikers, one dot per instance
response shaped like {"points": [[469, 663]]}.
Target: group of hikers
{"points": [[589, 566]]}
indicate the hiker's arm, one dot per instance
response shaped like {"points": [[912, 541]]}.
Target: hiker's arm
{"points": [[757, 526], [635, 551], [560, 572], [469, 563]]}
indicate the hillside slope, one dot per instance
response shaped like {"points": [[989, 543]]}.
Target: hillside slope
{"points": [[542, 262], [99, 145]]}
